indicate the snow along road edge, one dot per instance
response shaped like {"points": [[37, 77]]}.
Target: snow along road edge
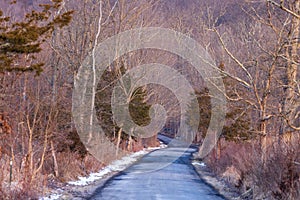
{"points": [[91, 182]]}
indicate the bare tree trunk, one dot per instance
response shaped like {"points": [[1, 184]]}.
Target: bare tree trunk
{"points": [[219, 149], [292, 54], [30, 148], [54, 159], [94, 71], [54, 104], [129, 145], [263, 141], [118, 141]]}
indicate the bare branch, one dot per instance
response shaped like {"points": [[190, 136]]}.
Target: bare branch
{"points": [[281, 6], [236, 61], [110, 12], [290, 124]]}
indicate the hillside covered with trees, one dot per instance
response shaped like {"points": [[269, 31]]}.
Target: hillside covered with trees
{"points": [[256, 49]]}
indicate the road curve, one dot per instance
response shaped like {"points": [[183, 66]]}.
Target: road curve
{"points": [[165, 174]]}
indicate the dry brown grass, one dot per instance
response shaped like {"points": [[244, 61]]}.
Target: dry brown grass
{"points": [[278, 177], [72, 165], [21, 186]]}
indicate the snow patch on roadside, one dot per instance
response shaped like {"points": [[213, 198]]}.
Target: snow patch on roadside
{"points": [[218, 184], [51, 197], [115, 166], [161, 146], [199, 163]]}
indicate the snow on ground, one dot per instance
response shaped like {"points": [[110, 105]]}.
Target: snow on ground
{"points": [[217, 183], [199, 163], [115, 166], [51, 197], [161, 146]]}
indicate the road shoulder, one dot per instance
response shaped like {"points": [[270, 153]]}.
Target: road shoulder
{"points": [[210, 178]]}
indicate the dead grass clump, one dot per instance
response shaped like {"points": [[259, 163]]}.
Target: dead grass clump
{"points": [[91, 164], [279, 176], [70, 166], [276, 177]]}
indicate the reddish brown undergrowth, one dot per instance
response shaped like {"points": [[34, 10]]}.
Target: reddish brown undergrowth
{"points": [[275, 177]]}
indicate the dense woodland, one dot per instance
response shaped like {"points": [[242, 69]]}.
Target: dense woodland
{"points": [[256, 47]]}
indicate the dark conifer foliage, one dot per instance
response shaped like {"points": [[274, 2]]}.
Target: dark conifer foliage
{"points": [[20, 40]]}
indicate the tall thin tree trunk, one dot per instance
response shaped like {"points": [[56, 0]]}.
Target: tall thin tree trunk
{"points": [[292, 54], [263, 129], [118, 141], [54, 159], [263, 141], [218, 156], [94, 87], [129, 146]]}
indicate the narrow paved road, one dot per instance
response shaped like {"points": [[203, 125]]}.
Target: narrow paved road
{"points": [[158, 175]]}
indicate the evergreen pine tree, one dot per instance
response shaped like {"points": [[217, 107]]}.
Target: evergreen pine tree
{"points": [[21, 40]]}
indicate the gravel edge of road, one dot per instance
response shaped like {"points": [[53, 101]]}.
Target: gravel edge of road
{"points": [[211, 179]]}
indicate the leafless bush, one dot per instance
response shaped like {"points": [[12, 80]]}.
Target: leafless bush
{"points": [[19, 187], [91, 164], [277, 177], [69, 165]]}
